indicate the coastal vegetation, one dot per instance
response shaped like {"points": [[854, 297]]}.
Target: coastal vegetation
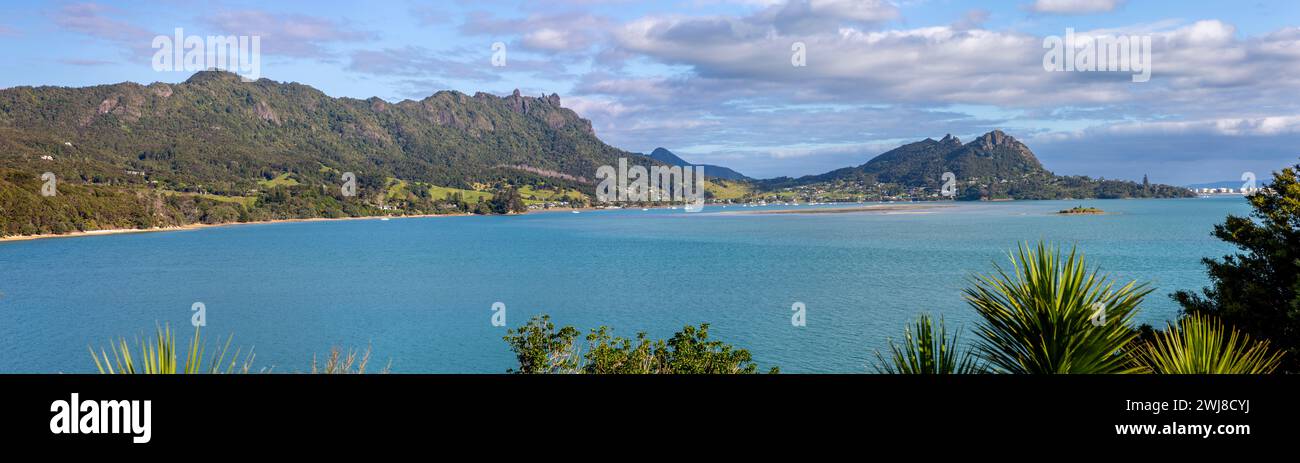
{"points": [[1080, 210], [1043, 316], [1050, 314]]}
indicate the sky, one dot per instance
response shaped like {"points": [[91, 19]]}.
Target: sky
{"points": [[716, 81]]}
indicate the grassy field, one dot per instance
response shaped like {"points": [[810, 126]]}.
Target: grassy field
{"points": [[285, 179], [470, 196], [722, 189], [533, 195]]}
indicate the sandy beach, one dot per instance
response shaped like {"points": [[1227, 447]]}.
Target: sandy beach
{"points": [[197, 226]]}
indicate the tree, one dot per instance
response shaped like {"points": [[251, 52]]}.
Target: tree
{"points": [[507, 201], [1258, 289]]}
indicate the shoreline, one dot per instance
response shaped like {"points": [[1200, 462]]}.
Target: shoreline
{"points": [[879, 208], [200, 226]]}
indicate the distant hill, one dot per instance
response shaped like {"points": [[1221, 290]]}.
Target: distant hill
{"points": [[710, 171], [224, 136], [993, 166]]}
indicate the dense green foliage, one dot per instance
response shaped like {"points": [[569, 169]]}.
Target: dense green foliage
{"points": [[236, 151], [1043, 316], [216, 134], [1201, 344], [541, 348], [928, 350], [1258, 289]]}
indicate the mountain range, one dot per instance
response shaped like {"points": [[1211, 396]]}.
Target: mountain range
{"points": [[215, 149]]}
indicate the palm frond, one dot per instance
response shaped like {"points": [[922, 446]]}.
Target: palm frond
{"points": [[927, 350], [1039, 316]]}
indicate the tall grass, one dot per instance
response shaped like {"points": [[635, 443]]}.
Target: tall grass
{"points": [[339, 362], [159, 356], [1201, 344]]}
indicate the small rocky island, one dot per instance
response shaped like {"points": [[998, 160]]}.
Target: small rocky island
{"points": [[1080, 210]]}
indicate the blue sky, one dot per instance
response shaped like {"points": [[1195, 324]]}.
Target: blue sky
{"points": [[712, 79]]}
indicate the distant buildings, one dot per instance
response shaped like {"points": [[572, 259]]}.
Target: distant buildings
{"points": [[1227, 191]]}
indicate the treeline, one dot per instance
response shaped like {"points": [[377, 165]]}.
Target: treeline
{"points": [[79, 207], [1042, 187]]}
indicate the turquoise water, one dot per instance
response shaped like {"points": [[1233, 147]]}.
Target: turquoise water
{"points": [[420, 290]]}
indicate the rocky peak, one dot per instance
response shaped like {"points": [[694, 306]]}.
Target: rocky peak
{"points": [[994, 139], [950, 140]]}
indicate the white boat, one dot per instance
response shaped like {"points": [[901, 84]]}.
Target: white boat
{"points": [[575, 212]]}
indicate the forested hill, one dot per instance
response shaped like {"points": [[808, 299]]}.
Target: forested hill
{"points": [[993, 166], [216, 149], [217, 134]]}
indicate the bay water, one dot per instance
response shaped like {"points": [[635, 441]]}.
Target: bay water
{"points": [[419, 291]]}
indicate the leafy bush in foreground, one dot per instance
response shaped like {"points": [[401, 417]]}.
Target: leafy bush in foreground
{"points": [[541, 348], [1258, 289]]}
